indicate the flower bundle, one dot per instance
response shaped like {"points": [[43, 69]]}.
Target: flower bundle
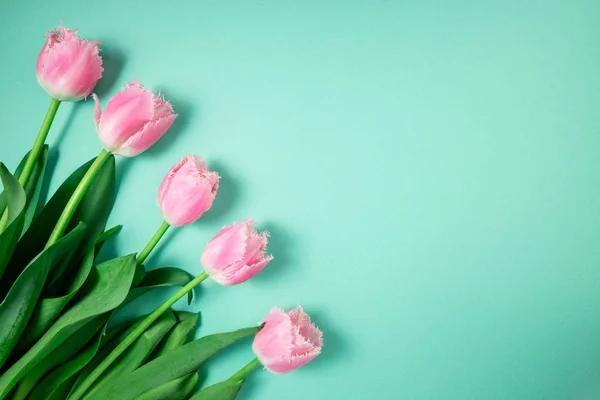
{"points": [[57, 298]]}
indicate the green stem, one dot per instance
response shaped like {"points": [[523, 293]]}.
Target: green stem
{"points": [[76, 197], [81, 390], [34, 153], [39, 143], [244, 371], [162, 229]]}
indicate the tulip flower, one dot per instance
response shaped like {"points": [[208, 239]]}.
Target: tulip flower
{"points": [[68, 67], [248, 237], [187, 191], [287, 341], [134, 119], [235, 254]]}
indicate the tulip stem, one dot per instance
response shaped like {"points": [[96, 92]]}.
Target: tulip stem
{"points": [[241, 374], [39, 142], [81, 390], [162, 229], [34, 153], [86, 181]]}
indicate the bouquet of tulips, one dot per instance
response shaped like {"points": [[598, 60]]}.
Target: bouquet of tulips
{"points": [[57, 298]]}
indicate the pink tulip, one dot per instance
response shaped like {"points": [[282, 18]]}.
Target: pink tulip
{"points": [[187, 191], [134, 119], [235, 254], [68, 66], [287, 341]]}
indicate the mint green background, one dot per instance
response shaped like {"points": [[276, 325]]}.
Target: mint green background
{"points": [[428, 169]]}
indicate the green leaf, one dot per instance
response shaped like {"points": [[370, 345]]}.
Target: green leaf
{"points": [[61, 354], [181, 333], [91, 356], [60, 380], [226, 390], [16, 199], [162, 277], [140, 272], [173, 365], [105, 347], [48, 309], [105, 289], [137, 353], [178, 389], [93, 210], [34, 240], [61, 392], [104, 237], [34, 185], [18, 306]]}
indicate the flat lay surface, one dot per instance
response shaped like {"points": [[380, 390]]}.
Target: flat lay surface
{"points": [[428, 171]]}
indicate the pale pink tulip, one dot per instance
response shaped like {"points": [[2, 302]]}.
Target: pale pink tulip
{"points": [[68, 66], [287, 341], [187, 191], [134, 119], [235, 254]]}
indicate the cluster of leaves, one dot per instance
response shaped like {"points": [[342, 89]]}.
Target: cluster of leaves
{"points": [[57, 301]]}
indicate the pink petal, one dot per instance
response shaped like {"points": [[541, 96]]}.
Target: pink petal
{"points": [[241, 273], [275, 338], [187, 191], [126, 114], [225, 249], [285, 344], [97, 110], [144, 139]]}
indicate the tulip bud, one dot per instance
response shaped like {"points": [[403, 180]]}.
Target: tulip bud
{"points": [[235, 254], [134, 119], [187, 191], [287, 341], [68, 66]]}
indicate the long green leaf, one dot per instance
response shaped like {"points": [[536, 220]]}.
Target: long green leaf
{"points": [[60, 380], [163, 277], [138, 352], [33, 189], [48, 309], [181, 333], [93, 210], [106, 347], [34, 185], [105, 289], [62, 391], [178, 389], [34, 240], [19, 303], [90, 357], [226, 390], [105, 236], [173, 365], [61, 354], [16, 200]]}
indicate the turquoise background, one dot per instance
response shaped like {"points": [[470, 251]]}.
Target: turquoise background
{"points": [[428, 171]]}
